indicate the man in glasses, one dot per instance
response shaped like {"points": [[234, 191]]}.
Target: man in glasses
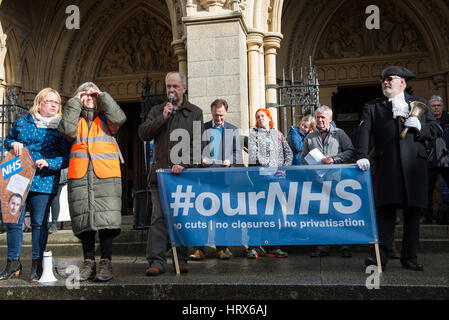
{"points": [[399, 165]]}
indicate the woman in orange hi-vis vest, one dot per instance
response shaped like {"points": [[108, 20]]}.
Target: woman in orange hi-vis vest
{"points": [[90, 121]]}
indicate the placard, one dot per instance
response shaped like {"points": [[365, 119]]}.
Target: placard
{"points": [[16, 176]]}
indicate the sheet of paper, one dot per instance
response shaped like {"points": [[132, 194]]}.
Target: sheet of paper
{"points": [[18, 184], [314, 157]]}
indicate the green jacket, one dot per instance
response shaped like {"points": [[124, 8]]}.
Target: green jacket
{"points": [[94, 203]]}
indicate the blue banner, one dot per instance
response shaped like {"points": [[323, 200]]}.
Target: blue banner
{"points": [[11, 168], [296, 205]]}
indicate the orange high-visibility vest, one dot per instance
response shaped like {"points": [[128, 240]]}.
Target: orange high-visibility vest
{"points": [[97, 145]]}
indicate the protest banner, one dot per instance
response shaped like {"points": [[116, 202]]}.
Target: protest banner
{"points": [[17, 173], [296, 205]]}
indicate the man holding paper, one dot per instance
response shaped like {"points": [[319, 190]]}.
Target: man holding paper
{"points": [[327, 145]]}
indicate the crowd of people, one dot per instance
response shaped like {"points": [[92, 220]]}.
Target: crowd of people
{"points": [[81, 141]]}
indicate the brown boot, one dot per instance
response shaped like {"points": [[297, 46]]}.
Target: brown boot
{"points": [[88, 270], [104, 271]]}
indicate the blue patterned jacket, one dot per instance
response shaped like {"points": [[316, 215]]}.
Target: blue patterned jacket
{"points": [[47, 144]]}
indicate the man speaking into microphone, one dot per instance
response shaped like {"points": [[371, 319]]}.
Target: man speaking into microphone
{"points": [[161, 121]]}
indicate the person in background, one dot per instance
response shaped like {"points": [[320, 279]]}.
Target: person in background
{"points": [[267, 147], [90, 121], [225, 151], [400, 165], [438, 162], [55, 207], [296, 136], [37, 131], [336, 147]]}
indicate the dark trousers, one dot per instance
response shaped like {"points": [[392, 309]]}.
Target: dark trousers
{"points": [[105, 236], [433, 176], [386, 221], [158, 236]]}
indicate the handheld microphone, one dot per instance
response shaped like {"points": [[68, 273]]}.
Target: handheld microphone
{"points": [[171, 97]]}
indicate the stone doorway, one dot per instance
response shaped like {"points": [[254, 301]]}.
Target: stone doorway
{"points": [[132, 150]]}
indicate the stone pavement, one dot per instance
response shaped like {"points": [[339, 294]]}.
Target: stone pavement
{"points": [[295, 278], [269, 279]]}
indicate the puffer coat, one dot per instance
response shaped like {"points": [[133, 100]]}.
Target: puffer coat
{"points": [[94, 203]]}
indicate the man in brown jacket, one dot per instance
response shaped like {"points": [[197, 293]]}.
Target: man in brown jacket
{"points": [[161, 122]]}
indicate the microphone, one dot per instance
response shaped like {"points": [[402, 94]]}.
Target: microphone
{"points": [[171, 96]]}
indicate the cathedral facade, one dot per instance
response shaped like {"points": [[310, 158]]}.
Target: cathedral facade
{"points": [[238, 50]]}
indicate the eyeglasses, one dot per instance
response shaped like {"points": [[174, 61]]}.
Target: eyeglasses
{"points": [[389, 78], [51, 102], [87, 95]]}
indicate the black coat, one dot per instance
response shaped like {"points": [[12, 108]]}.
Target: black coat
{"points": [[399, 165]]}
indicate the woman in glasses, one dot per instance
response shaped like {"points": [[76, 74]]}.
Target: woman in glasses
{"points": [[37, 131], [90, 121]]}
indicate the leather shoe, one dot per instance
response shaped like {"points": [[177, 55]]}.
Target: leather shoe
{"points": [[346, 253], [183, 268], [412, 265], [223, 255], [153, 271], [370, 261], [197, 255], [319, 253]]}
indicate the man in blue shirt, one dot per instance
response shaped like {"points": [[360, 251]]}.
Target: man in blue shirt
{"points": [[223, 150]]}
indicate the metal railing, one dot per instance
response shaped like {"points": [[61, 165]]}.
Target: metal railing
{"points": [[297, 99], [10, 112]]}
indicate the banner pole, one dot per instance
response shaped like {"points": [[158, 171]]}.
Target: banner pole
{"points": [[376, 249], [175, 258]]}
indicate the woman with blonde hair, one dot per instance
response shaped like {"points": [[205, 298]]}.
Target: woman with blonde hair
{"points": [[297, 134], [37, 131]]}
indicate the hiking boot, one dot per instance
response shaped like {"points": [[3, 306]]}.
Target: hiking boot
{"points": [[104, 271], [12, 269], [88, 271]]}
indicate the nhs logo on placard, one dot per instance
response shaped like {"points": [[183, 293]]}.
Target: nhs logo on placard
{"points": [[11, 167]]}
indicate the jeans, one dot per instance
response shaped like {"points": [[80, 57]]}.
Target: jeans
{"points": [[55, 207], [39, 204]]}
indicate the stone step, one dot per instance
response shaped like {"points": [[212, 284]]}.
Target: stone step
{"points": [[433, 238], [296, 278]]}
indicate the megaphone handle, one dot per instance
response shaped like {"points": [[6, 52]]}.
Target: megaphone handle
{"points": [[403, 133]]}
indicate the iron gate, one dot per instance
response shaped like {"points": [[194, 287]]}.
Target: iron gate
{"points": [[297, 99]]}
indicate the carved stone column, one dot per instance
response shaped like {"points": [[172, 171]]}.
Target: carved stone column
{"points": [[254, 42], [271, 42], [217, 63], [212, 5], [441, 83], [179, 47]]}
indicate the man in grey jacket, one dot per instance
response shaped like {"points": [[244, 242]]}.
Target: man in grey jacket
{"points": [[336, 147], [161, 122]]}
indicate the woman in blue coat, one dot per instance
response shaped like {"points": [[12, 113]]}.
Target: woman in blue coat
{"points": [[296, 136], [49, 151]]}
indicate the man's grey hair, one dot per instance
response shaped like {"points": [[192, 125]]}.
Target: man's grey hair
{"points": [[436, 97], [85, 86], [181, 75], [324, 109]]}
